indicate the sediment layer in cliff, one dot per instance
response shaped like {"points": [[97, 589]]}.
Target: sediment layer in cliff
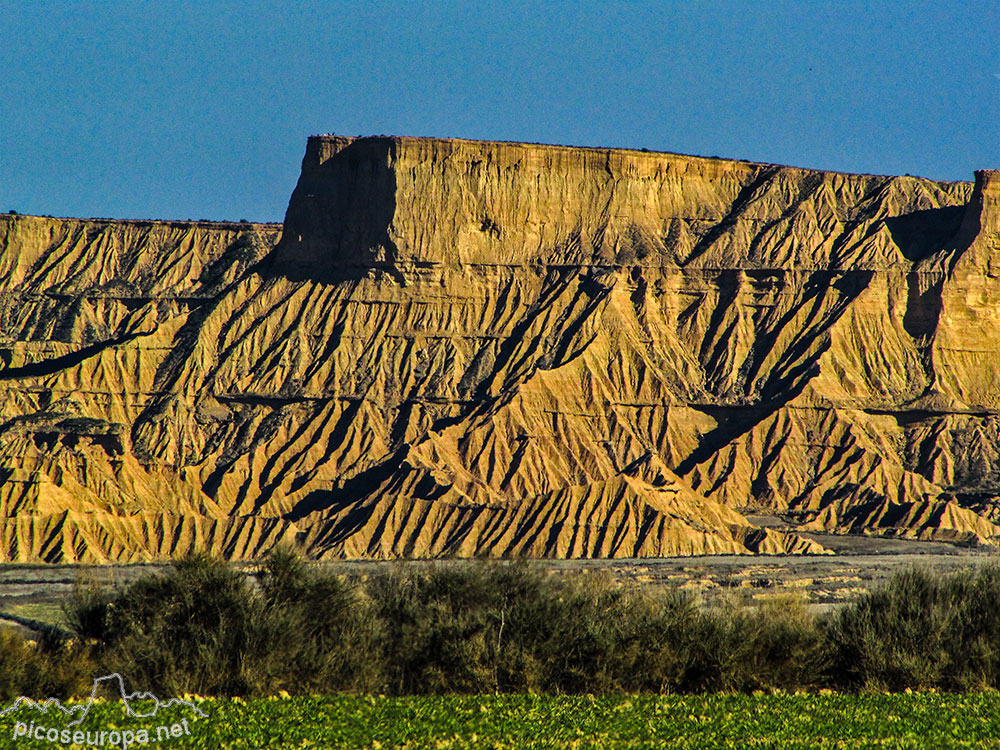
{"points": [[477, 348]]}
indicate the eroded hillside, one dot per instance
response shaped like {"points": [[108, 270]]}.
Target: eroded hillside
{"points": [[479, 348]]}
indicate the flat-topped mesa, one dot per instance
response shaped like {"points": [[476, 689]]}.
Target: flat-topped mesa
{"points": [[388, 201], [482, 348]]}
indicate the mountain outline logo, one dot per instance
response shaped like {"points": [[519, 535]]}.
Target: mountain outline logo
{"points": [[83, 709]]}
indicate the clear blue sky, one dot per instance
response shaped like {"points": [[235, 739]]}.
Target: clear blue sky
{"points": [[201, 110]]}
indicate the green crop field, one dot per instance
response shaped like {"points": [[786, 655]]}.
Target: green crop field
{"points": [[528, 721]]}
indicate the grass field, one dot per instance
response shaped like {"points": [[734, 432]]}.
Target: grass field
{"points": [[527, 721]]}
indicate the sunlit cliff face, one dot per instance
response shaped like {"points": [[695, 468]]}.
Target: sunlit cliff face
{"points": [[475, 348]]}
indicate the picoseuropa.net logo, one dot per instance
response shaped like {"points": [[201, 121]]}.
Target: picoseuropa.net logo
{"points": [[144, 719]]}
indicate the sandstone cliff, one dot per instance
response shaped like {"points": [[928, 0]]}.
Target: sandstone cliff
{"points": [[476, 348]]}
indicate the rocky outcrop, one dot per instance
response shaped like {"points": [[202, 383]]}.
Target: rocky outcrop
{"points": [[479, 348]]}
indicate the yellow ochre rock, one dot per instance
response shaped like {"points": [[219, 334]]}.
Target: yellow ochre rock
{"points": [[482, 349]]}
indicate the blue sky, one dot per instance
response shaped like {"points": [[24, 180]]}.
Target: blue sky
{"points": [[201, 110]]}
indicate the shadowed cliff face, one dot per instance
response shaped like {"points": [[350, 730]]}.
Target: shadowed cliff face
{"points": [[482, 348], [339, 214]]}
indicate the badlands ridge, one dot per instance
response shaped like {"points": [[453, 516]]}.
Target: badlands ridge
{"points": [[476, 348]]}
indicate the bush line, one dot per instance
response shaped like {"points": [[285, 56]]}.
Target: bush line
{"points": [[205, 628]]}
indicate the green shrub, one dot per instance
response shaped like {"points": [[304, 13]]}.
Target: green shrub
{"points": [[191, 630], [920, 631], [316, 630], [448, 630], [52, 666], [86, 611], [18, 663], [204, 628], [776, 645]]}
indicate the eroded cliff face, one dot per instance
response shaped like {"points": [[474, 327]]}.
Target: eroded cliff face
{"points": [[480, 348], [93, 315]]}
